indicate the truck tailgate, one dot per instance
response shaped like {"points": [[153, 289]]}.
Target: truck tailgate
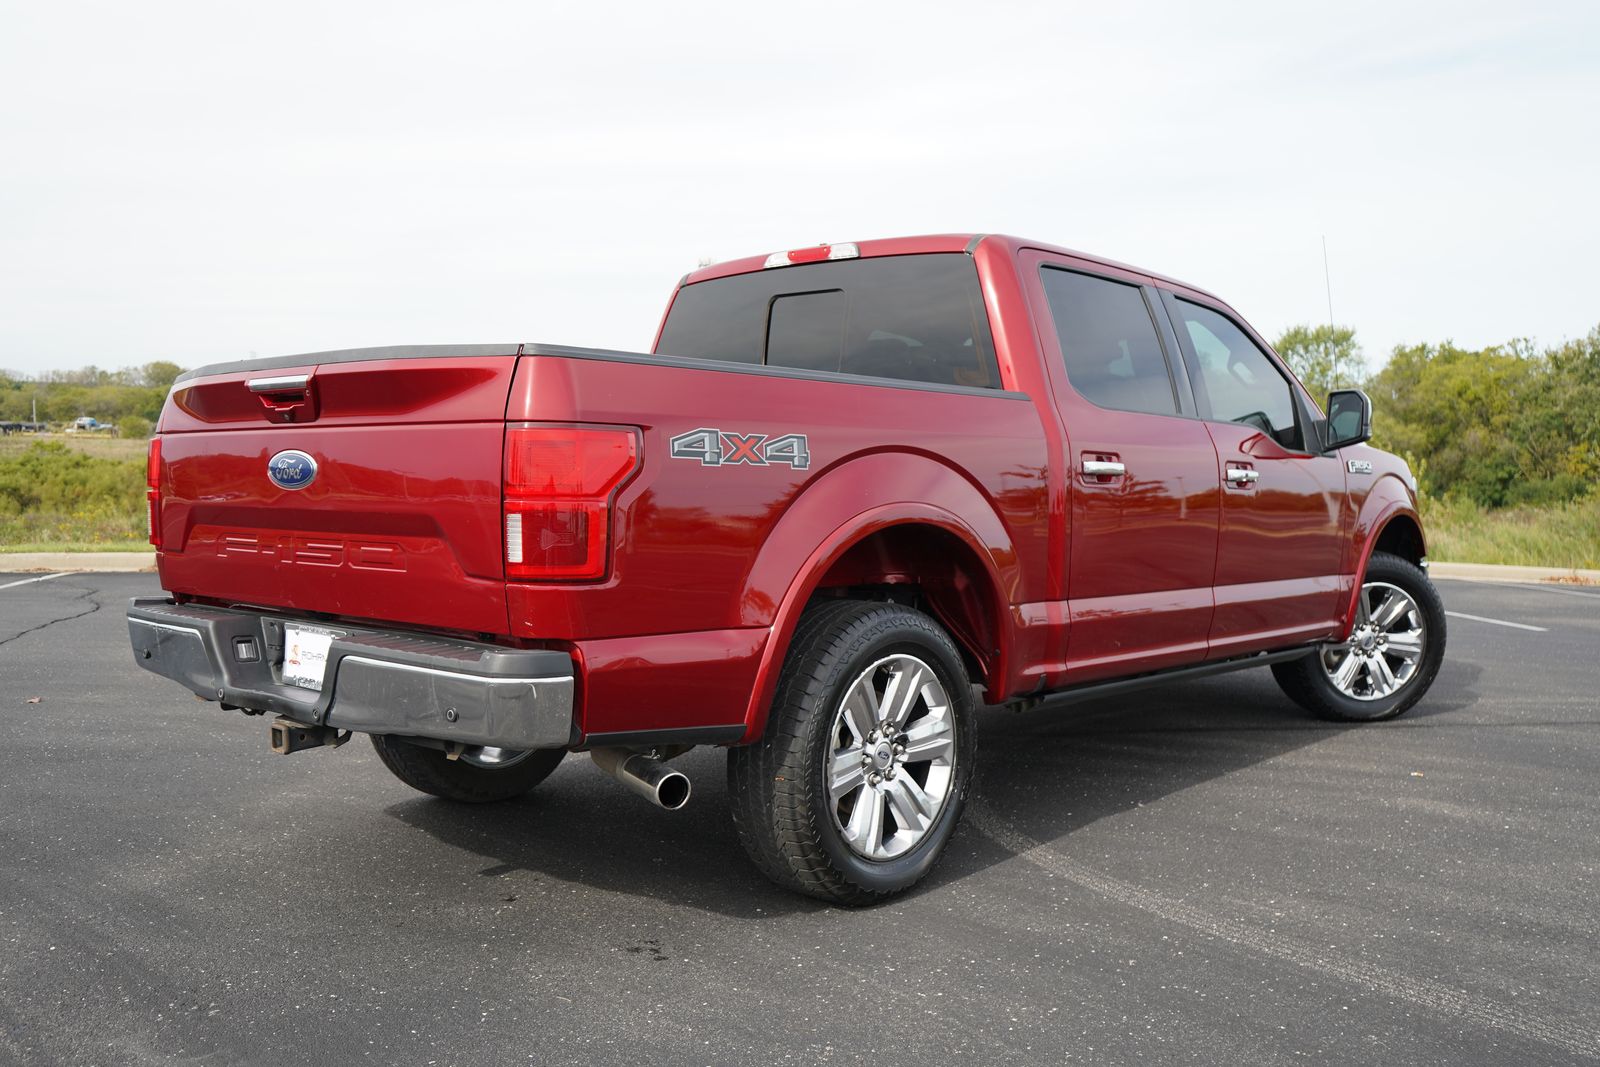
{"points": [[400, 519]]}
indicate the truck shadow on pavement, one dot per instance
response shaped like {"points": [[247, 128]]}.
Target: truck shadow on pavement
{"points": [[1055, 771]]}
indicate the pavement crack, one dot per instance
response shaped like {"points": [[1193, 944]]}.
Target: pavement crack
{"points": [[87, 594]]}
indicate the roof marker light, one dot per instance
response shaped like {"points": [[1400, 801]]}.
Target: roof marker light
{"points": [[815, 254]]}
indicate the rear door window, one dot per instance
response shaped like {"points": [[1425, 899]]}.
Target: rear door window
{"points": [[1240, 380], [915, 318], [1109, 343]]}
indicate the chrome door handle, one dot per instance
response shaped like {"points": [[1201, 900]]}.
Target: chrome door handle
{"points": [[1242, 474], [1101, 466]]}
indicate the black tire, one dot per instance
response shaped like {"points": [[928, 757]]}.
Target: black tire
{"points": [[778, 786], [1307, 683], [428, 770]]}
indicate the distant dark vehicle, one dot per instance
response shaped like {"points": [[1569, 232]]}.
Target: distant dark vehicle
{"points": [[851, 485], [22, 427]]}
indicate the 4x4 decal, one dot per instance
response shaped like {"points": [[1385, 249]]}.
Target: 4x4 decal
{"points": [[717, 448]]}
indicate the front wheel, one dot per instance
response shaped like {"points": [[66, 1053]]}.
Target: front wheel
{"points": [[1390, 658], [479, 775], [867, 759]]}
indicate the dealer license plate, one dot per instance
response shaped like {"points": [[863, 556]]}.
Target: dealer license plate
{"points": [[305, 656]]}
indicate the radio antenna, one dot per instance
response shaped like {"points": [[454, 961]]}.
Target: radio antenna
{"points": [[1327, 284]]}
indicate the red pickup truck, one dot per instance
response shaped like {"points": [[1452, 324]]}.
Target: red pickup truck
{"points": [[855, 491]]}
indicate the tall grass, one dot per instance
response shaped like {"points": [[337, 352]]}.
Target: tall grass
{"points": [[1556, 535], [52, 495]]}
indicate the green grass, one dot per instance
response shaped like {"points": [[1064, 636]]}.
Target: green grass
{"points": [[101, 446], [55, 494], [1560, 535], [77, 546]]}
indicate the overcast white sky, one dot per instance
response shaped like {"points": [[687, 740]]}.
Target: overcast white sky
{"points": [[204, 181]]}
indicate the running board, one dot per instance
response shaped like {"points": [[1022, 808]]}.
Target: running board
{"points": [[1119, 686]]}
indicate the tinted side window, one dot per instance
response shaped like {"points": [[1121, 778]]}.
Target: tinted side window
{"points": [[1109, 342], [918, 318], [1241, 380]]}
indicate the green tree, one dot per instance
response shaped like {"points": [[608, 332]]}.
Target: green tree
{"points": [[159, 374], [1324, 357], [1507, 424]]}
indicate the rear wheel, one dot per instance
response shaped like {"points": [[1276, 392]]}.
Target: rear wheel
{"points": [[1390, 658], [480, 775], [867, 759]]}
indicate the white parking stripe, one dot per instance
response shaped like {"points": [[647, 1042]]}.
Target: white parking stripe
{"points": [[41, 578], [1498, 622]]}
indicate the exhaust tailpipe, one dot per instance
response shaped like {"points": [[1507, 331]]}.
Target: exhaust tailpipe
{"points": [[645, 775]]}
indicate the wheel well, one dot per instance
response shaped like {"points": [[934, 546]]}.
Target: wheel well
{"points": [[1401, 537], [930, 569]]}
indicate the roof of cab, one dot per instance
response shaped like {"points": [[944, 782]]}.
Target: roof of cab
{"points": [[926, 243]]}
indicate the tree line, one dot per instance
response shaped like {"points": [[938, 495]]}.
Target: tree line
{"points": [[1504, 425], [130, 398]]}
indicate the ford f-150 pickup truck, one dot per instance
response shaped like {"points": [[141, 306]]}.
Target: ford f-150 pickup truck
{"points": [[854, 492]]}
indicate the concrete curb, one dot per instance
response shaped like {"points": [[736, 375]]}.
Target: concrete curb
{"points": [[77, 561], [1487, 572]]}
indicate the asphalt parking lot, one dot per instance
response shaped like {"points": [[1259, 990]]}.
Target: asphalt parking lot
{"points": [[1197, 874]]}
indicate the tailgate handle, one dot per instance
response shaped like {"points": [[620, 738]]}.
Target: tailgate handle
{"points": [[285, 397], [283, 383]]}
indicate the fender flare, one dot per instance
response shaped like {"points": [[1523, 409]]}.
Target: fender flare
{"points": [[1387, 501], [946, 501]]}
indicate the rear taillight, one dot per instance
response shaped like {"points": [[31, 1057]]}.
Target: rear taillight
{"points": [[152, 496], [560, 482]]}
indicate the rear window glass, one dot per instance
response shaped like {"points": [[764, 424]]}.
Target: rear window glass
{"points": [[916, 318]]}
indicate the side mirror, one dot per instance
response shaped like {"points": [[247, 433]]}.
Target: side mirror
{"points": [[1349, 418]]}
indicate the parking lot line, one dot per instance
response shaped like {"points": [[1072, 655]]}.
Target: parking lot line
{"points": [[1499, 622], [41, 578]]}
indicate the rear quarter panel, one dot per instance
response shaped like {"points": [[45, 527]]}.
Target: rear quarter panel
{"points": [[705, 556]]}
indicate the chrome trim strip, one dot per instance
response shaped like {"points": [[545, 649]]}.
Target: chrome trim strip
{"points": [[168, 626], [491, 679]]}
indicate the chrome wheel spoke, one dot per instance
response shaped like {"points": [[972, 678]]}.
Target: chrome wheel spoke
{"points": [[929, 738], [1345, 675], [1395, 606], [861, 709], [1407, 644], [1364, 606], [1383, 680], [902, 691], [847, 772], [865, 830], [913, 809]]}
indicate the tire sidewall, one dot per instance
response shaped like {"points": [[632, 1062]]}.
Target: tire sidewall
{"points": [[935, 649]]}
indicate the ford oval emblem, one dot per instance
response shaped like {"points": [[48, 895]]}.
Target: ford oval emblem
{"points": [[292, 469]]}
